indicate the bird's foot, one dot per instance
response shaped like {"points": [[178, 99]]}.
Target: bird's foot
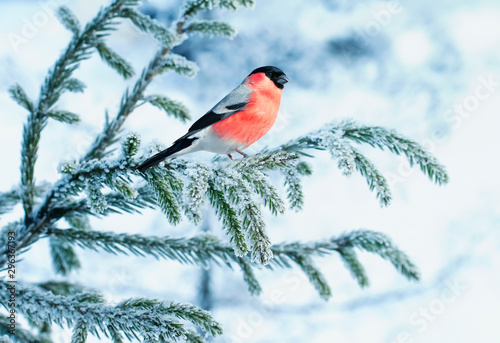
{"points": [[230, 157], [241, 153]]}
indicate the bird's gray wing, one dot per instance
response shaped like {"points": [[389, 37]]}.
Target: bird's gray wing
{"points": [[236, 101]]}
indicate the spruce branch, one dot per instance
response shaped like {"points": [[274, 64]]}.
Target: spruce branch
{"points": [[61, 287], [152, 27], [205, 249], [267, 161], [195, 190], [169, 106], [294, 192], [211, 28], [55, 83], [383, 138], [129, 102], [178, 64], [197, 250], [80, 332], [165, 187], [5, 339], [133, 317], [313, 274], [63, 116], [263, 187], [68, 19], [375, 180], [240, 194], [335, 139], [21, 334], [193, 7], [380, 244], [220, 200], [115, 61], [64, 258], [351, 261], [60, 78], [235, 4], [116, 203], [8, 200], [74, 85], [18, 94], [249, 277]]}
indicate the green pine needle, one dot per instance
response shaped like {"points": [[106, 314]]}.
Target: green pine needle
{"points": [[18, 94], [351, 261], [376, 181], [64, 116], [74, 85], [219, 199], [115, 61], [162, 184], [170, 107], [64, 258], [178, 64], [79, 333], [68, 19], [150, 26], [211, 29]]}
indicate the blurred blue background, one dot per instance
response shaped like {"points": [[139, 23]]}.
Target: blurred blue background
{"points": [[429, 69]]}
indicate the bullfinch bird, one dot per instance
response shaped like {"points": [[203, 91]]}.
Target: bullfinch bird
{"points": [[240, 119]]}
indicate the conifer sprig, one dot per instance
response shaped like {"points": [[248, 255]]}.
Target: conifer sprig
{"points": [[8, 200], [211, 28], [22, 335], [133, 318], [55, 85], [383, 138], [336, 138], [59, 81], [162, 61], [205, 249]]}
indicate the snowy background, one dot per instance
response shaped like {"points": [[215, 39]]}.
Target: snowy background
{"points": [[429, 69]]}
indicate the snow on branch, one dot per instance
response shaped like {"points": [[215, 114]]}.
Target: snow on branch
{"points": [[60, 80], [8, 200], [383, 138], [150, 26], [211, 28], [22, 335], [115, 61], [193, 7], [336, 138], [55, 84], [380, 244], [131, 318], [68, 19], [171, 107], [205, 249], [370, 241]]}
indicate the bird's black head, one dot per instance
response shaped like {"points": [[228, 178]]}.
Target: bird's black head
{"points": [[274, 74]]}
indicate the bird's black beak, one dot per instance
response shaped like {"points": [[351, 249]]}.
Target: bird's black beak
{"points": [[282, 79]]}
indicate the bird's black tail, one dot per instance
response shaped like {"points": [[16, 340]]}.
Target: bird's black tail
{"points": [[178, 145]]}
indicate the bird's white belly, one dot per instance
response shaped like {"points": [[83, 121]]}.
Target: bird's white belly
{"points": [[209, 141]]}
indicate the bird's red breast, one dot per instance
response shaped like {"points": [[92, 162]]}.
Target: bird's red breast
{"points": [[250, 124]]}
